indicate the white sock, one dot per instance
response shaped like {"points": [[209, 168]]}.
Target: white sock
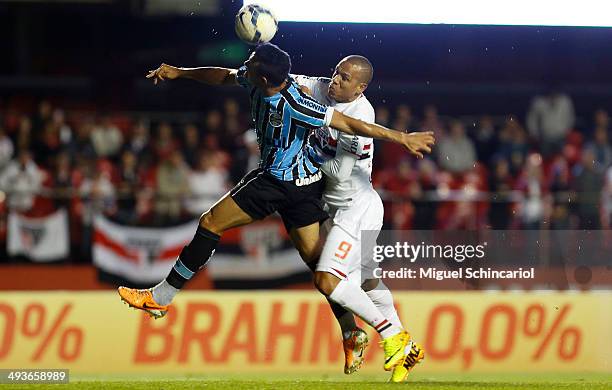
{"points": [[163, 293], [382, 298], [353, 298]]}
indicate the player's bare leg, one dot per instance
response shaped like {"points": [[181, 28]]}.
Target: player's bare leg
{"points": [[354, 339], [308, 242], [224, 215]]}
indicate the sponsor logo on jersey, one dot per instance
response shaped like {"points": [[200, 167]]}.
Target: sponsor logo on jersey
{"points": [[309, 179], [276, 120], [311, 104]]}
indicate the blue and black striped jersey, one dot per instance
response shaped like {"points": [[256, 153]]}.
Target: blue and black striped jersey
{"points": [[283, 123]]}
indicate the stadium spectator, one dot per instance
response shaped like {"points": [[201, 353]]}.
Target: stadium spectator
{"points": [[383, 116], [606, 200], [234, 123], [58, 121], [392, 153], [513, 144], [6, 149], [534, 205], [431, 121], [24, 134], [22, 180], [549, 119], [129, 180], [214, 122], [485, 139], [48, 145], [421, 194], [42, 116], [207, 183], [165, 144], [191, 145], [465, 211], [588, 183], [212, 143], [139, 140], [172, 187], [601, 118], [395, 184], [500, 185], [403, 118], [246, 158], [456, 153], [601, 147], [81, 145], [62, 180], [97, 193], [96, 196], [560, 188], [106, 138]]}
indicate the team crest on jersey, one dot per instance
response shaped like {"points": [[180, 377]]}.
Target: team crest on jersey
{"points": [[276, 120]]}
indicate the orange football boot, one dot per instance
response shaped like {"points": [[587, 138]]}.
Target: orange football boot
{"points": [[354, 348], [142, 300]]}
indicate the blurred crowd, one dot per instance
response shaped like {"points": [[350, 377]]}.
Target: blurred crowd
{"points": [[500, 173], [492, 172]]}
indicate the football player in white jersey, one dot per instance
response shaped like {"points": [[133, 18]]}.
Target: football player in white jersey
{"points": [[354, 206]]}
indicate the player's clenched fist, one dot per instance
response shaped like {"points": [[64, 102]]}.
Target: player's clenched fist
{"points": [[419, 142], [164, 72]]}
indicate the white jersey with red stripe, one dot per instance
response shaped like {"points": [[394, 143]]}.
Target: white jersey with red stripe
{"points": [[341, 193]]}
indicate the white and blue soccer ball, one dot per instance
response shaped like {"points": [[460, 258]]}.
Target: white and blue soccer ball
{"points": [[255, 24]]}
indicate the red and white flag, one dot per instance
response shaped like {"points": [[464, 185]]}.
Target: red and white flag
{"points": [[40, 239], [142, 255]]}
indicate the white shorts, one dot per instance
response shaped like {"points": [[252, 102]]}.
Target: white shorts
{"points": [[342, 252]]}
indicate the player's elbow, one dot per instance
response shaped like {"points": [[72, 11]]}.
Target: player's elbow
{"points": [[230, 78]]}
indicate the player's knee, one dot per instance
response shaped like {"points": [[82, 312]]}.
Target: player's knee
{"points": [[369, 284], [310, 257], [308, 252], [207, 222], [312, 265], [325, 282]]}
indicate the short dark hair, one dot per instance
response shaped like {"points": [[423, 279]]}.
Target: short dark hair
{"points": [[367, 70], [272, 62]]}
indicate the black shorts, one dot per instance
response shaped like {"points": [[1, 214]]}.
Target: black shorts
{"points": [[260, 194]]}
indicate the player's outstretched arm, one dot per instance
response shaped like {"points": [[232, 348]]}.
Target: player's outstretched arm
{"points": [[416, 143], [207, 75]]}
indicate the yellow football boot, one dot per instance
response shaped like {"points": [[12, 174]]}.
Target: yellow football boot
{"points": [[395, 349], [414, 356]]}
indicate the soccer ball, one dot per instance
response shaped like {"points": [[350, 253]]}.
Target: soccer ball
{"points": [[255, 24]]}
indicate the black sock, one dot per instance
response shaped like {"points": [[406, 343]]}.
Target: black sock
{"points": [[345, 318], [193, 257]]}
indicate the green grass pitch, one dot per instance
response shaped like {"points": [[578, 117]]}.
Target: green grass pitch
{"points": [[335, 382]]}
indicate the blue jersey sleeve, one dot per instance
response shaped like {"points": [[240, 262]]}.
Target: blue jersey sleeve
{"points": [[307, 110]]}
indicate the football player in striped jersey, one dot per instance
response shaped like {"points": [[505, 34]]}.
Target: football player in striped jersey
{"points": [[287, 181]]}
